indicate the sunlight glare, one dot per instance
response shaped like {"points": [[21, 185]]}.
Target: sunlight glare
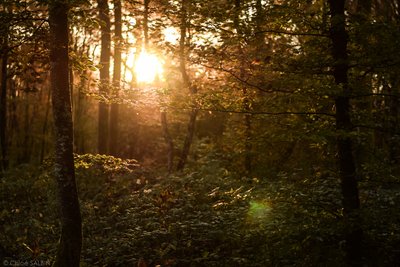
{"points": [[171, 35], [147, 67]]}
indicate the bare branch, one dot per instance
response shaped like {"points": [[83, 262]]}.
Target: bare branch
{"points": [[294, 33], [258, 112], [246, 82]]}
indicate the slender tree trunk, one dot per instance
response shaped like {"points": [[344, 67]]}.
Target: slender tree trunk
{"points": [[348, 176], [246, 100], [44, 128], [78, 117], [25, 152], [248, 147], [68, 254], [188, 140], [103, 123], [13, 123], [182, 46], [4, 129], [362, 10], [79, 121], [77, 105], [168, 140], [187, 84], [71, 84], [114, 113], [146, 24], [393, 122], [3, 110], [80, 107], [364, 7]]}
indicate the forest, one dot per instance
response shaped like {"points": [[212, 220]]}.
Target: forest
{"points": [[218, 133]]}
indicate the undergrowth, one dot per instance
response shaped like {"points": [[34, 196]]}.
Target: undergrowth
{"points": [[208, 216]]}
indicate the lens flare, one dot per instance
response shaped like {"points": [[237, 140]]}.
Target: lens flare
{"points": [[258, 211]]}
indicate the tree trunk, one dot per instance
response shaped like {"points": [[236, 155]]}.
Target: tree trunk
{"points": [[187, 84], [364, 7], [3, 109], [146, 23], [80, 106], [78, 111], [188, 140], [13, 122], [348, 176], [25, 152], [44, 128], [248, 147], [114, 113], [69, 250], [103, 124], [168, 140], [4, 127], [393, 122]]}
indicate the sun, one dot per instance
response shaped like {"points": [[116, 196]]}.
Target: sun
{"points": [[147, 67]]}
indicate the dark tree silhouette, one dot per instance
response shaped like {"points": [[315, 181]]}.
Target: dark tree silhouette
{"points": [[347, 168], [114, 112], [187, 84], [71, 228], [3, 97], [104, 108]]}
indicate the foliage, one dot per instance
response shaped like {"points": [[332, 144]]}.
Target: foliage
{"points": [[265, 91], [28, 214], [206, 216]]}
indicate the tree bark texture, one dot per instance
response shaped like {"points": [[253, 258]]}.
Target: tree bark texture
{"points": [[103, 123], [348, 176], [69, 250], [114, 112]]}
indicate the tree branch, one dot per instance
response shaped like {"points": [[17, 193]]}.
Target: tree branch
{"points": [[27, 38], [258, 112], [246, 82], [374, 94], [294, 33]]}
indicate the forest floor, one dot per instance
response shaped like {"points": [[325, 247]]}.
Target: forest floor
{"points": [[206, 216]]}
